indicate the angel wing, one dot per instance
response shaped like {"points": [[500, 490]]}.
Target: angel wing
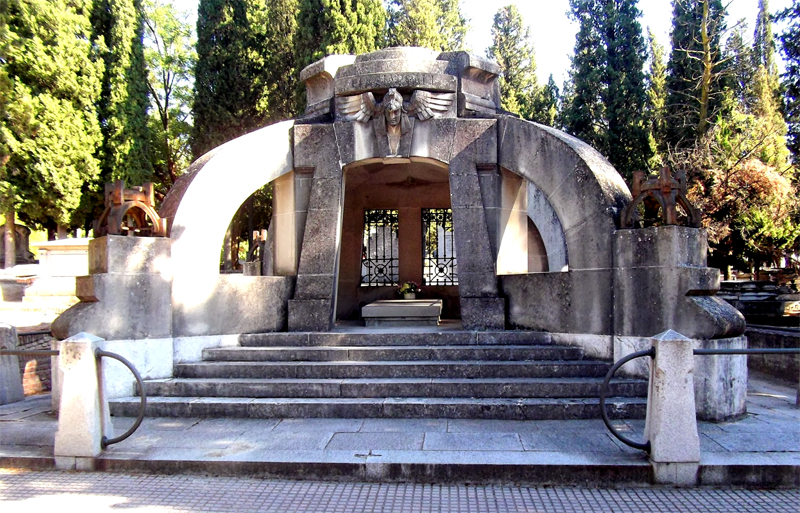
{"points": [[426, 105], [359, 107]]}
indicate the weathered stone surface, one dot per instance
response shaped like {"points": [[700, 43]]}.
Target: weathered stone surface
{"points": [[310, 314], [569, 302], [236, 304], [660, 284], [129, 255], [84, 416], [318, 77], [483, 313], [541, 212], [720, 387], [671, 427], [315, 286], [119, 306], [10, 380]]}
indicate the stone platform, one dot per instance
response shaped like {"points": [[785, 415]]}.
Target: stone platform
{"points": [[402, 312], [762, 450]]}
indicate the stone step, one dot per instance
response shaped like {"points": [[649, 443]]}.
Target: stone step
{"points": [[394, 369], [402, 407], [392, 353], [413, 387], [397, 337]]}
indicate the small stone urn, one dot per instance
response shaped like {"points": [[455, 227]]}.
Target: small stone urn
{"points": [[409, 295]]}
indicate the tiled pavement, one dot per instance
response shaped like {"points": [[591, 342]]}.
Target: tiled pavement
{"points": [[763, 448], [27, 491]]}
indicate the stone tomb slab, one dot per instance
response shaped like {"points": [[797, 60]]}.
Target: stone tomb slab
{"points": [[402, 312]]}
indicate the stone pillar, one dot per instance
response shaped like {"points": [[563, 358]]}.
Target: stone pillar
{"points": [[84, 417], [313, 306], [671, 425], [475, 145], [10, 379]]}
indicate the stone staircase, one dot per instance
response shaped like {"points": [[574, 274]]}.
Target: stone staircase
{"points": [[456, 374]]}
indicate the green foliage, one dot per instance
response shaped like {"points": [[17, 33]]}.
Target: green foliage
{"points": [[790, 47], [123, 102], [51, 76], [230, 97], [435, 24], [281, 73], [513, 50], [546, 103], [763, 41], [695, 70], [656, 102], [170, 58], [607, 103], [326, 27]]}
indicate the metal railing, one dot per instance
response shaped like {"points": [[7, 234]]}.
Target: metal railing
{"points": [[99, 353], [645, 446]]}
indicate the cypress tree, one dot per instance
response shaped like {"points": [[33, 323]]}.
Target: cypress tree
{"points": [[656, 101], [546, 103], [607, 108], [326, 27], [513, 50], [49, 129], [790, 47], [435, 24], [763, 41], [124, 102], [695, 69], [230, 89], [281, 71]]}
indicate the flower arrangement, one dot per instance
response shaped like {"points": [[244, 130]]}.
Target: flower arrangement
{"points": [[408, 287]]}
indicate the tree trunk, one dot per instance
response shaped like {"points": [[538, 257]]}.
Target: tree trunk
{"points": [[61, 232], [10, 239], [705, 85]]}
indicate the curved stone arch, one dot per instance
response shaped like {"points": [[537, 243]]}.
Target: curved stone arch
{"points": [[235, 171], [584, 190], [541, 212]]}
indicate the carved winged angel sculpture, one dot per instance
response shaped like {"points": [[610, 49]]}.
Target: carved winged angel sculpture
{"points": [[423, 104]]}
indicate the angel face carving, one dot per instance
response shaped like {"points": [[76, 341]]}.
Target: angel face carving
{"points": [[423, 105], [393, 107]]}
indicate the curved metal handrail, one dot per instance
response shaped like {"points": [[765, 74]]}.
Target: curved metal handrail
{"points": [[604, 389], [105, 441]]}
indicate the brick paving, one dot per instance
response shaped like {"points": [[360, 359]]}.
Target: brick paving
{"points": [[27, 491]]}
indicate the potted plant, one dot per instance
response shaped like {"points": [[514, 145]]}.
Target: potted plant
{"points": [[408, 290]]}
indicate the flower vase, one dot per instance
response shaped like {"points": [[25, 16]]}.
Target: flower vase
{"points": [[409, 295]]}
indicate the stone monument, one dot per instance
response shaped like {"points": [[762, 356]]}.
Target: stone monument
{"points": [[405, 168]]}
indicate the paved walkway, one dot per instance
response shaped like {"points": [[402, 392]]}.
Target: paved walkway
{"points": [[29, 491], [763, 448]]}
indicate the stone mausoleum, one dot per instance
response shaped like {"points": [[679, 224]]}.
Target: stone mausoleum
{"points": [[405, 168]]}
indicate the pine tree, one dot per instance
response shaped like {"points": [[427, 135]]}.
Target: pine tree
{"points": [[695, 69], [741, 66], [230, 89], [51, 75], [326, 27], [513, 50], [435, 24], [607, 108], [124, 102], [656, 101], [790, 47]]}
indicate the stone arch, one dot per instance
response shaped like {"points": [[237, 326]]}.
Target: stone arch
{"points": [[581, 187], [217, 187]]}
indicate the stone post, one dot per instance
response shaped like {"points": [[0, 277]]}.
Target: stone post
{"points": [[84, 416], [10, 379], [671, 425]]}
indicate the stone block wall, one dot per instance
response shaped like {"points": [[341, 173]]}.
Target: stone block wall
{"points": [[35, 370]]}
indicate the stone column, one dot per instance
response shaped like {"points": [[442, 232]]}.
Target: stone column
{"points": [[84, 417], [10, 380], [313, 306], [475, 146], [671, 424]]}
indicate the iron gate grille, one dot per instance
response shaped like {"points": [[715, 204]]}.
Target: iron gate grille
{"points": [[439, 250], [379, 253]]}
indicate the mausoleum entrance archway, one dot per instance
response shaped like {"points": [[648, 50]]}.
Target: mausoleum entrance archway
{"points": [[393, 196]]}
